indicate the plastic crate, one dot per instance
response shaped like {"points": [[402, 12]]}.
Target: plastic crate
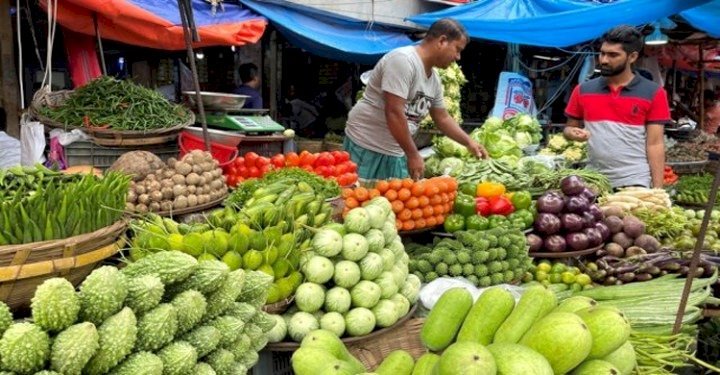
{"points": [[262, 148], [101, 157], [273, 363], [222, 153]]}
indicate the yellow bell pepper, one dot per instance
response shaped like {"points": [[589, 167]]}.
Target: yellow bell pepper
{"points": [[490, 189]]}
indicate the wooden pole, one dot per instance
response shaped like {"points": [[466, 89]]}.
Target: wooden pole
{"points": [[8, 73], [101, 51], [701, 78]]}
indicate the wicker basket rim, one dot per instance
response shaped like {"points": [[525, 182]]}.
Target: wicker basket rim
{"points": [[36, 104], [104, 232]]}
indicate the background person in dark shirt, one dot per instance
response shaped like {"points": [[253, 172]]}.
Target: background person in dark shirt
{"points": [[250, 84]]}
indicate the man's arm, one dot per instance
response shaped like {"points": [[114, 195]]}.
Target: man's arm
{"points": [[450, 127], [656, 153], [574, 131], [397, 123]]}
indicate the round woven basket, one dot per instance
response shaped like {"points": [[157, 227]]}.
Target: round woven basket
{"points": [[102, 136], [23, 267], [405, 336], [311, 145], [333, 146]]}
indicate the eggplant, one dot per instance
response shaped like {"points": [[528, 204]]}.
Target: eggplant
{"points": [[547, 223], [572, 222], [577, 204], [577, 241], [555, 243], [603, 229], [572, 185], [610, 280], [594, 237], [551, 203], [535, 242], [589, 195]]}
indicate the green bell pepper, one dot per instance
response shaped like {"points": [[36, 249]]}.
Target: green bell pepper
{"points": [[468, 188], [476, 222], [454, 223], [495, 221], [464, 205], [521, 200]]}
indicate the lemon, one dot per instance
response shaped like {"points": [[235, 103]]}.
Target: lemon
{"points": [[252, 259], [568, 277], [544, 267], [583, 279], [555, 278], [233, 260], [558, 268], [541, 275]]}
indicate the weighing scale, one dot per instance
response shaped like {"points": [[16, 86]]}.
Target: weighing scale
{"points": [[225, 111]]}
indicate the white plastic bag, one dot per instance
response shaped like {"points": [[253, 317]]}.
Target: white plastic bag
{"points": [[67, 138], [431, 292], [9, 151], [32, 141]]}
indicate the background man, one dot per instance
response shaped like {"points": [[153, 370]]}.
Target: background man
{"points": [[250, 83]]}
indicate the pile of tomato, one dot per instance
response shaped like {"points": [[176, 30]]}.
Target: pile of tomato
{"points": [[334, 165], [416, 204]]}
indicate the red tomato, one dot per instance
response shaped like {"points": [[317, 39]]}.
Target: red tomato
{"points": [[243, 172], [265, 169], [332, 171], [353, 177], [321, 170], [253, 172], [251, 158], [341, 169], [239, 161], [341, 180], [278, 160], [337, 156], [261, 162], [308, 159], [342, 156], [292, 159], [231, 170], [323, 160], [308, 168], [231, 180]]}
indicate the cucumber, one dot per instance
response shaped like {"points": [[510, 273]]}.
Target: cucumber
{"points": [[445, 319], [486, 316], [534, 304], [426, 364], [398, 362]]}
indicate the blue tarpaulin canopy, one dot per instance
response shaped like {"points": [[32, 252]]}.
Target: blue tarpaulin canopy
{"points": [[554, 23], [705, 18], [330, 35]]}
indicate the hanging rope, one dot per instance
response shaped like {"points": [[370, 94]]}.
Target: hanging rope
{"points": [[20, 56]]}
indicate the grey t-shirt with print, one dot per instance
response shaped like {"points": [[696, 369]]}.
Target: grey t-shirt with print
{"points": [[402, 73]]}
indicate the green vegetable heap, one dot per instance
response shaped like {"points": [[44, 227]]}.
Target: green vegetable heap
{"points": [[485, 258], [693, 189], [149, 318], [325, 188], [118, 105], [38, 204]]}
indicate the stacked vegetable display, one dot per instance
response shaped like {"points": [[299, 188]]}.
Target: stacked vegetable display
{"points": [[335, 165], [416, 204], [485, 258], [192, 181], [559, 276], [479, 206], [693, 189], [356, 277], [568, 220], [633, 198], [38, 204], [571, 151], [165, 314]]}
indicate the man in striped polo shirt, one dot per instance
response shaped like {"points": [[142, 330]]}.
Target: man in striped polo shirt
{"points": [[623, 115]]}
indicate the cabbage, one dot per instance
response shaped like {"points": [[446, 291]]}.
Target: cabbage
{"points": [[385, 313], [355, 247], [359, 321], [432, 166], [333, 322], [500, 144], [375, 239], [388, 259], [301, 324], [523, 139], [327, 242], [402, 304], [446, 147], [451, 166], [371, 266], [309, 297], [365, 294], [387, 284], [376, 215], [347, 274], [389, 231], [338, 300], [319, 269], [279, 331], [357, 220], [411, 288]]}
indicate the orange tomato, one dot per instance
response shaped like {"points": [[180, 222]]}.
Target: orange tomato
{"points": [[424, 201], [440, 219], [405, 214], [420, 223], [452, 184], [431, 222], [397, 206], [444, 196], [428, 211], [408, 225], [361, 194], [374, 193], [435, 199], [351, 202], [404, 194], [396, 184], [398, 224], [391, 195], [412, 203], [382, 186], [417, 213], [438, 209], [448, 207], [408, 183], [347, 193], [418, 189], [442, 185], [432, 189], [292, 159]]}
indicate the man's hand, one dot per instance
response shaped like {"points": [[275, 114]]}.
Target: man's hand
{"points": [[416, 166], [576, 134], [477, 149]]}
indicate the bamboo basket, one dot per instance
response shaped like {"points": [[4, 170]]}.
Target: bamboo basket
{"points": [[23, 267], [405, 336], [333, 146], [101, 136], [311, 145], [279, 307]]}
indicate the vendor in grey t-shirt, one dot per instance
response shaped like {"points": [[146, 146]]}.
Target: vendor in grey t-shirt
{"points": [[402, 89]]}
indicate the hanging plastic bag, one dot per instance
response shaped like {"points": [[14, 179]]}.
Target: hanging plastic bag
{"points": [[9, 151], [32, 141]]}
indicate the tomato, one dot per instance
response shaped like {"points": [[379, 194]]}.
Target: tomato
{"points": [[232, 181], [292, 159], [324, 159], [308, 159], [321, 171], [352, 167], [353, 177], [243, 172], [344, 156], [239, 161], [265, 169], [332, 171], [261, 162], [253, 172], [231, 170], [337, 155], [308, 168], [341, 169], [278, 160], [251, 158], [342, 180]]}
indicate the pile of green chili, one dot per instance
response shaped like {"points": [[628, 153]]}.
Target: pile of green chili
{"points": [[119, 105]]}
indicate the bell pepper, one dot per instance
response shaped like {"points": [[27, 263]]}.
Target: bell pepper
{"points": [[495, 221], [464, 205], [476, 222], [525, 215], [489, 189], [468, 188], [482, 206], [454, 223], [521, 200], [500, 205]]}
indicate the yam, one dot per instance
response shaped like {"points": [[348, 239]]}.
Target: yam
{"points": [[137, 164]]}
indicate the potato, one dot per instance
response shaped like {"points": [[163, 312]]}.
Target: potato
{"points": [[199, 190], [156, 196], [217, 172], [154, 206], [192, 179], [178, 179], [167, 192], [150, 177], [171, 163], [179, 190], [141, 208], [131, 196], [216, 184], [168, 173], [191, 189], [180, 202], [183, 168], [153, 186], [197, 168], [166, 183], [166, 206], [192, 200], [129, 206], [140, 189], [144, 199]]}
